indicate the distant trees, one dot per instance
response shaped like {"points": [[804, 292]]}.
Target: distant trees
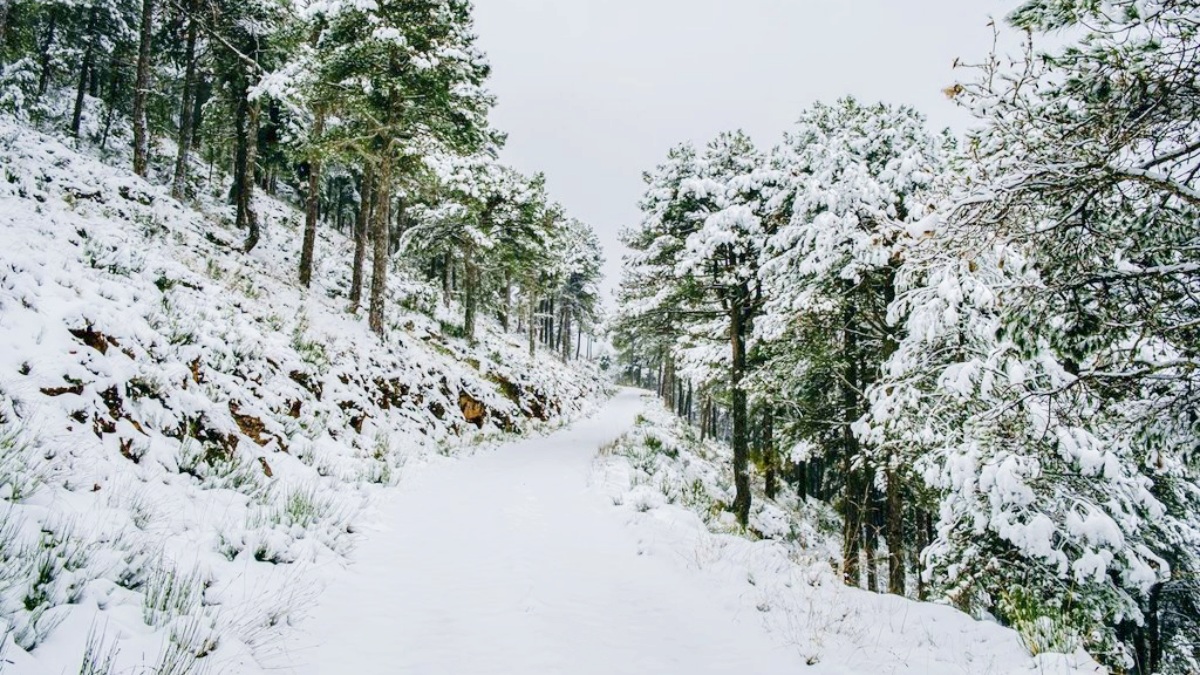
{"points": [[493, 237], [984, 356], [354, 108]]}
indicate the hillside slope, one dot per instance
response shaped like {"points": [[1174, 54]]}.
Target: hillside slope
{"points": [[672, 488], [187, 437]]}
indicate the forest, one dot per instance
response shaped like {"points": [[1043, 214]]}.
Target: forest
{"points": [[372, 118], [981, 352]]}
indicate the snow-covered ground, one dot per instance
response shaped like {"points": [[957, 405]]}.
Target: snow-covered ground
{"points": [[669, 488], [508, 563], [540, 558]]}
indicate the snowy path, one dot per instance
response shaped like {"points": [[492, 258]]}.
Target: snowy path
{"points": [[507, 563]]}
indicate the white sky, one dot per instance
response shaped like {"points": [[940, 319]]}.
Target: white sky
{"points": [[594, 92]]}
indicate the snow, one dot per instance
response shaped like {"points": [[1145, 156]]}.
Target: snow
{"points": [[507, 563], [189, 442], [533, 556], [541, 557], [785, 582]]}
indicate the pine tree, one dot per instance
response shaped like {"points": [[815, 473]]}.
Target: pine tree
{"points": [[408, 75], [700, 243], [853, 180], [1050, 363], [141, 90]]}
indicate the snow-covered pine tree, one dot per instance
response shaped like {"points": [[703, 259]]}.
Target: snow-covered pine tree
{"points": [[1050, 359], [582, 260], [653, 303], [720, 263], [854, 180], [407, 76], [692, 284], [488, 218]]}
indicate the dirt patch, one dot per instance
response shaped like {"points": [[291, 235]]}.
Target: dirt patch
{"points": [[197, 371], [254, 428]]}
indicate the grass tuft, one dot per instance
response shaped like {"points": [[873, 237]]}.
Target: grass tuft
{"points": [[97, 658]]}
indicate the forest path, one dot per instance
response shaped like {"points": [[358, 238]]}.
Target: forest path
{"points": [[507, 562]]}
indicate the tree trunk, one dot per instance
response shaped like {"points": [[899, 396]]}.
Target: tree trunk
{"points": [[247, 138], [741, 449], [47, 45], [668, 382], [84, 69], [770, 456], [851, 505], [894, 528], [801, 474], [470, 291], [507, 307], [361, 225], [114, 82], [141, 92], [379, 236], [1154, 629], [532, 323], [895, 534], [851, 524], [186, 118], [871, 543], [924, 528], [94, 80], [566, 333], [312, 206]]}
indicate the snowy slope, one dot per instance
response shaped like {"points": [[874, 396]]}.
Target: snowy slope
{"points": [[187, 439], [668, 487]]}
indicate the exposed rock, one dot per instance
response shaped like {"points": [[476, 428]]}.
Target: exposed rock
{"points": [[94, 339], [252, 426], [304, 380], [472, 409], [76, 389]]}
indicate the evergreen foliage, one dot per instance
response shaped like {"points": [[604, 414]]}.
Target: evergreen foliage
{"points": [[983, 354]]}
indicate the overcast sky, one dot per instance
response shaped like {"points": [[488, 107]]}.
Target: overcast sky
{"points": [[594, 92]]}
